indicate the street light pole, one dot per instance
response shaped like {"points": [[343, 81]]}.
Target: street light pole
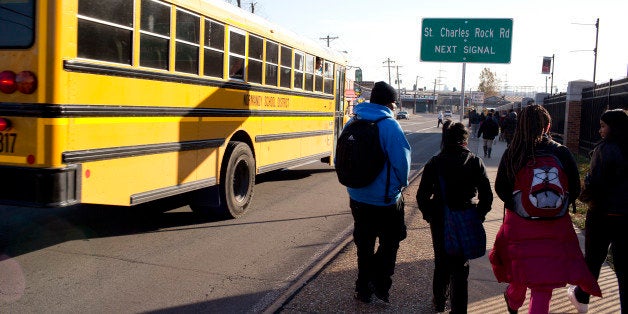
{"points": [[597, 30], [552, 83]]}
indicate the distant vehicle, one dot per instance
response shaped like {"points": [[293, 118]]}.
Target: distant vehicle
{"points": [[403, 115], [447, 114]]}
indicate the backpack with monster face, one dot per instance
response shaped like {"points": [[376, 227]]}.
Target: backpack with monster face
{"points": [[541, 189]]}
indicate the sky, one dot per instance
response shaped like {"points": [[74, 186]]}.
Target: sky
{"points": [[372, 32]]}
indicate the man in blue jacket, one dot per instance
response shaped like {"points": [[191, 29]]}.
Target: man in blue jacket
{"points": [[379, 212]]}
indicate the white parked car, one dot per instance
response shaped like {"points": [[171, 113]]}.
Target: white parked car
{"points": [[447, 114]]}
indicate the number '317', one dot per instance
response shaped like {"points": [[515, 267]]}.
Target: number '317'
{"points": [[7, 142]]}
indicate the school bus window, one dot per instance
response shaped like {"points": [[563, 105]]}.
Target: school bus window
{"points": [[256, 53], [17, 24], [272, 60], [214, 48], [299, 60], [286, 67], [118, 12], [237, 44], [154, 35], [329, 77], [105, 30], [187, 48], [309, 72], [318, 75]]}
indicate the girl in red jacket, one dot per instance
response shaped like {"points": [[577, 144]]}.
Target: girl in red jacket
{"points": [[540, 254]]}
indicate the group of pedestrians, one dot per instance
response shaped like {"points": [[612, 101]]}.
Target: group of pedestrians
{"points": [[539, 254], [503, 127]]}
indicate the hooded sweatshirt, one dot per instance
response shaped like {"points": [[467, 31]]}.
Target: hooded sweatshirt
{"points": [[395, 146]]}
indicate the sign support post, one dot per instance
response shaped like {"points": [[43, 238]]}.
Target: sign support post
{"points": [[464, 69]]}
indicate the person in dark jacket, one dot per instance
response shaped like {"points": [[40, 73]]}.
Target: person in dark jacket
{"points": [[539, 254], [489, 129], [453, 162], [509, 126], [606, 193], [378, 208]]}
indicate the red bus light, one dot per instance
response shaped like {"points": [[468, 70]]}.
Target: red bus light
{"points": [[26, 82], [4, 124], [7, 82]]}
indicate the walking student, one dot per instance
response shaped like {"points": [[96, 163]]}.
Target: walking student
{"points": [[489, 129], [509, 126], [453, 162], [605, 192], [440, 119], [378, 208], [474, 121], [540, 254]]}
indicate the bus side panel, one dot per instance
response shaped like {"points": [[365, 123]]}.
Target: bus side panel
{"points": [[319, 144], [113, 181]]}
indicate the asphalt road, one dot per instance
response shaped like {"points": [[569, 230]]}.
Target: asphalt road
{"points": [[163, 258]]}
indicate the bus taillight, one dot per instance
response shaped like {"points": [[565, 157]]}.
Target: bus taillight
{"points": [[5, 124], [26, 82], [7, 82]]}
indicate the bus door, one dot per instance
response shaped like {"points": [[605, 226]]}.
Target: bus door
{"points": [[340, 100]]}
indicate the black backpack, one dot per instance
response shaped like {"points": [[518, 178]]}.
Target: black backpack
{"points": [[359, 155]]}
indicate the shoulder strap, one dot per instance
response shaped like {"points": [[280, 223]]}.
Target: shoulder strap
{"points": [[387, 198]]}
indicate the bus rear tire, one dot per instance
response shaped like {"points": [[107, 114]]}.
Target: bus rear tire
{"points": [[232, 197], [237, 179]]}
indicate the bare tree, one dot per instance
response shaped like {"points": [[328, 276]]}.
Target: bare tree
{"points": [[488, 83]]}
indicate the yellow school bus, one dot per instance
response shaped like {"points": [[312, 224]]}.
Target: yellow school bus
{"points": [[123, 102]]}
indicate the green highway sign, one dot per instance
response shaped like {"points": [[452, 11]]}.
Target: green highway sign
{"points": [[466, 40]]}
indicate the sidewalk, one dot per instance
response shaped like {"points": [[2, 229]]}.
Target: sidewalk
{"points": [[331, 290]]}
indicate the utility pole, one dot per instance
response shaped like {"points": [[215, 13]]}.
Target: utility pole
{"points": [[328, 39], [434, 95], [398, 87], [416, 90], [388, 62]]}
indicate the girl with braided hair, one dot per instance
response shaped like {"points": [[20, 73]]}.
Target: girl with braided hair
{"points": [[540, 254]]}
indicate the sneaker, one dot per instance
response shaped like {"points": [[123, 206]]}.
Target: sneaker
{"points": [[580, 307], [510, 311]]}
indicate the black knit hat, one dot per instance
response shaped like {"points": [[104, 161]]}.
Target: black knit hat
{"points": [[383, 94]]}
